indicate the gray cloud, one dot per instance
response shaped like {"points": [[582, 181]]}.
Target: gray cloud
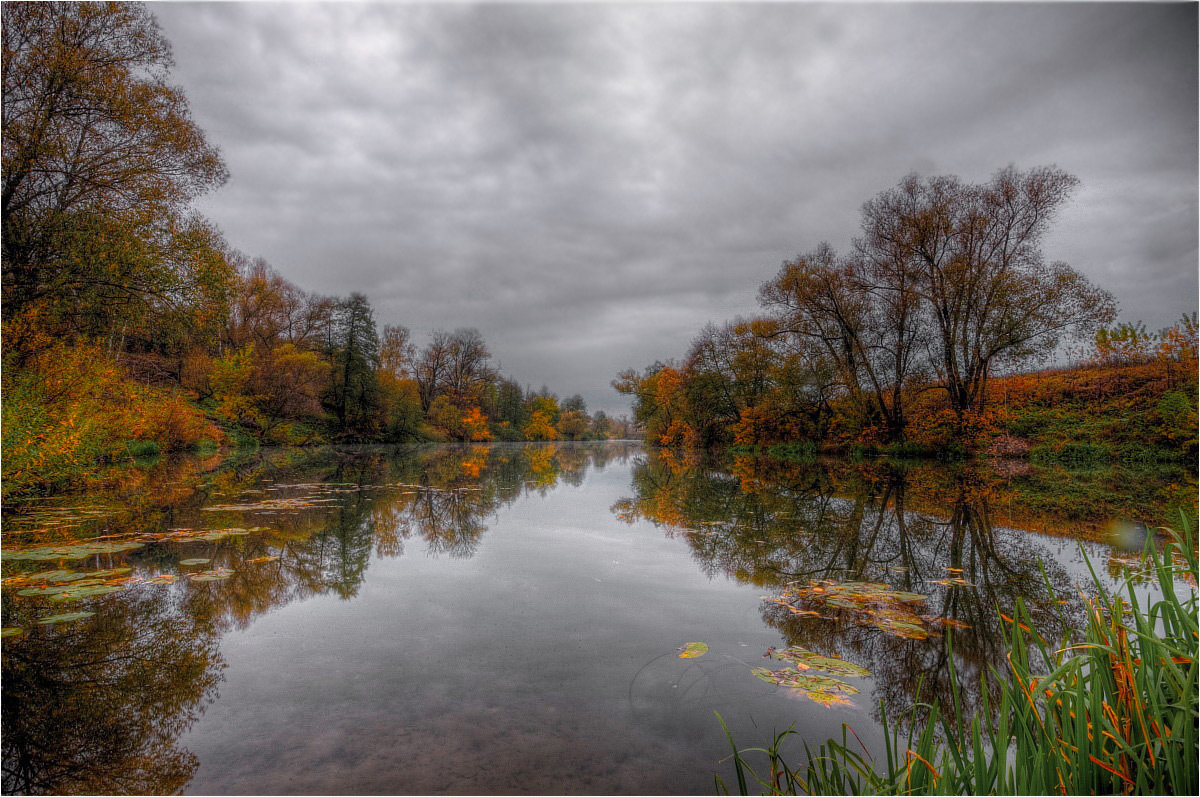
{"points": [[588, 184]]}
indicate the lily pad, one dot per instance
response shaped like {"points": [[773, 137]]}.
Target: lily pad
{"points": [[194, 561], [75, 551], [52, 575], [11, 631], [693, 650], [112, 571], [162, 578], [59, 588], [212, 575], [818, 688], [64, 618], [78, 593], [260, 559]]}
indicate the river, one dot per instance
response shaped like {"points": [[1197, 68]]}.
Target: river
{"points": [[509, 618]]}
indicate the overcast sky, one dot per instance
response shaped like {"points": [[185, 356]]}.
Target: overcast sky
{"points": [[589, 184]]}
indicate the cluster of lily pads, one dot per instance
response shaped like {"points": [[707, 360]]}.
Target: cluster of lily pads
{"points": [[311, 498], [67, 585], [73, 551], [867, 603], [823, 689], [64, 585]]}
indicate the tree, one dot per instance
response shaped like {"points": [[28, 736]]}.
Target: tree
{"points": [[971, 254], [100, 158], [268, 310], [572, 424], [468, 369], [397, 354], [544, 413], [353, 396], [432, 368], [601, 426], [510, 404], [857, 315]]}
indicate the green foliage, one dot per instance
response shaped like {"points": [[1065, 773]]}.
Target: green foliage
{"points": [[1176, 412], [802, 451], [143, 448], [69, 410], [1071, 452], [353, 395]]}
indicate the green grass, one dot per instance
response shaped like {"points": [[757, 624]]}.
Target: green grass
{"points": [[1112, 713]]}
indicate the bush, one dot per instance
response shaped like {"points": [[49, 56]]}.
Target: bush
{"points": [[70, 408], [143, 448], [1071, 452], [802, 451]]}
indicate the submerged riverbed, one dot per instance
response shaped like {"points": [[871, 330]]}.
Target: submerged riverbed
{"points": [[509, 618]]}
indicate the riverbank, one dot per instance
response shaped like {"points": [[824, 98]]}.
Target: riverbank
{"points": [[1088, 415]]}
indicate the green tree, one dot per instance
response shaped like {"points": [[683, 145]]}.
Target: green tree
{"points": [[353, 395]]}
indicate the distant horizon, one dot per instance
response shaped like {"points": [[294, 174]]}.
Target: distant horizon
{"points": [[589, 184]]}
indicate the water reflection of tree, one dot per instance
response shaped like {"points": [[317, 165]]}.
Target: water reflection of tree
{"points": [[772, 523], [97, 706], [378, 500]]}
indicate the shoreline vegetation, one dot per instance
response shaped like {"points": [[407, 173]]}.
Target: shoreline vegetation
{"points": [[929, 339], [131, 327], [1115, 712]]}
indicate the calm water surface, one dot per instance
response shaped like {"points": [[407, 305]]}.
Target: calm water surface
{"points": [[506, 618]]}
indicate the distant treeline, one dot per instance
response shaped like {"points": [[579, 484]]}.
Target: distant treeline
{"points": [[132, 326], [896, 344]]}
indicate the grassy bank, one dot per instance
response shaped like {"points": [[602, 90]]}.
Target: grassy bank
{"points": [[1112, 713], [1133, 413], [1077, 417]]}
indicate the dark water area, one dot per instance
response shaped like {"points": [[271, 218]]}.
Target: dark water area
{"points": [[509, 618]]}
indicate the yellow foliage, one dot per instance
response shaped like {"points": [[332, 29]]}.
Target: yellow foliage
{"points": [[69, 407], [540, 427]]}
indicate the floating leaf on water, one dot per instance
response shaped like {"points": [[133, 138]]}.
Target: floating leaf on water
{"points": [[64, 618], [56, 575], [113, 571], [693, 650], [212, 575], [11, 631], [194, 561], [260, 559], [58, 589], [80, 550], [268, 504], [162, 578], [79, 593], [819, 688], [808, 660], [868, 602], [952, 582]]}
